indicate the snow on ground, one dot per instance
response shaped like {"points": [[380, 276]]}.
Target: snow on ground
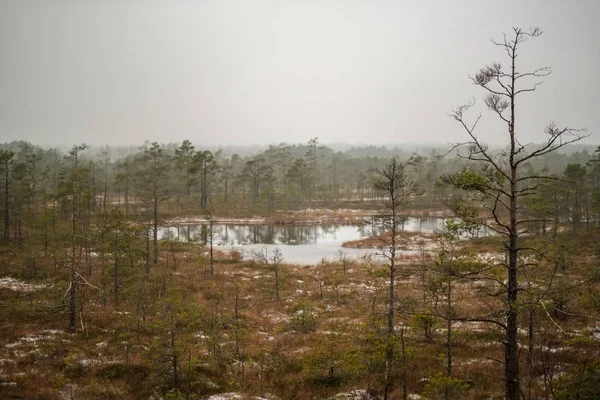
{"points": [[217, 220], [8, 282], [359, 394], [238, 396], [595, 332], [276, 317], [34, 338]]}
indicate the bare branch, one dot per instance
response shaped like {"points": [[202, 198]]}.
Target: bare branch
{"points": [[476, 148], [555, 141], [485, 319], [529, 89], [540, 72], [549, 317], [86, 282]]}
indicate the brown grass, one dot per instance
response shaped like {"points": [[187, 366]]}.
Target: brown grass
{"points": [[111, 358]]}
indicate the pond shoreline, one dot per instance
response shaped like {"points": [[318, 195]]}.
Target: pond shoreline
{"points": [[306, 244], [308, 217], [407, 240]]}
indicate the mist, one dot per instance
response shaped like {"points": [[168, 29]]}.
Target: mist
{"points": [[260, 72]]}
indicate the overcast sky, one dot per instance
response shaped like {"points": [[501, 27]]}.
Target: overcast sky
{"points": [[262, 72]]}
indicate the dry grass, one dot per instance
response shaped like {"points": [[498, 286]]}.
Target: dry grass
{"points": [[322, 337]]}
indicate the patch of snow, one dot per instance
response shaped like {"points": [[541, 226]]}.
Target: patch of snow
{"points": [[363, 286], [91, 362], [276, 317], [301, 350], [52, 331], [33, 338], [16, 285], [238, 396], [554, 349], [87, 362], [474, 361], [358, 394]]}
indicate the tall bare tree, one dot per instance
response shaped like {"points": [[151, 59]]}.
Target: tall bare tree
{"points": [[502, 180], [75, 185]]}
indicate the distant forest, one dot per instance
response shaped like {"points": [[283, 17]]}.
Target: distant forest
{"points": [[183, 178]]}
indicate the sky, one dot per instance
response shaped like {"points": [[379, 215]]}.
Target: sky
{"points": [[263, 72]]}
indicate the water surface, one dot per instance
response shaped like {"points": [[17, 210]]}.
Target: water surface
{"points": [[299, 244]]}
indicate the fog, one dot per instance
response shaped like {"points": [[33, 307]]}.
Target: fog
{"points": [[260, 72]]}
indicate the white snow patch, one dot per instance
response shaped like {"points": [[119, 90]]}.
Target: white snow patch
{"points": [[236, 396], [33, 338], [52, 331], [471, 361], [10, 283], [358, 394]]}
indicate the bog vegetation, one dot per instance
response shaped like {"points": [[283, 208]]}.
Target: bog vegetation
{"points": [[93, 305]]}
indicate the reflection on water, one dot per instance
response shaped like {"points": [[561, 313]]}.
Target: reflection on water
{"points": [[299, 244], [241, 235]]}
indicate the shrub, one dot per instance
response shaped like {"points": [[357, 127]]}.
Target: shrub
{"points": [[580, 384], [441, 386]]}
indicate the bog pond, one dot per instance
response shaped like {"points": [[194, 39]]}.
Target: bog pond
{"points": [[299, 244]]}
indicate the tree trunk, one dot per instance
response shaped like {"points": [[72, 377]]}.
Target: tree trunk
{"points": [[449, 331], [116, 268], [6, 201], [155, 228], [174, 357]]}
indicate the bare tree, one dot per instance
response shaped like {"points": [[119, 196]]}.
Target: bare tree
{"points": [[502, 180], [74, 154]]}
